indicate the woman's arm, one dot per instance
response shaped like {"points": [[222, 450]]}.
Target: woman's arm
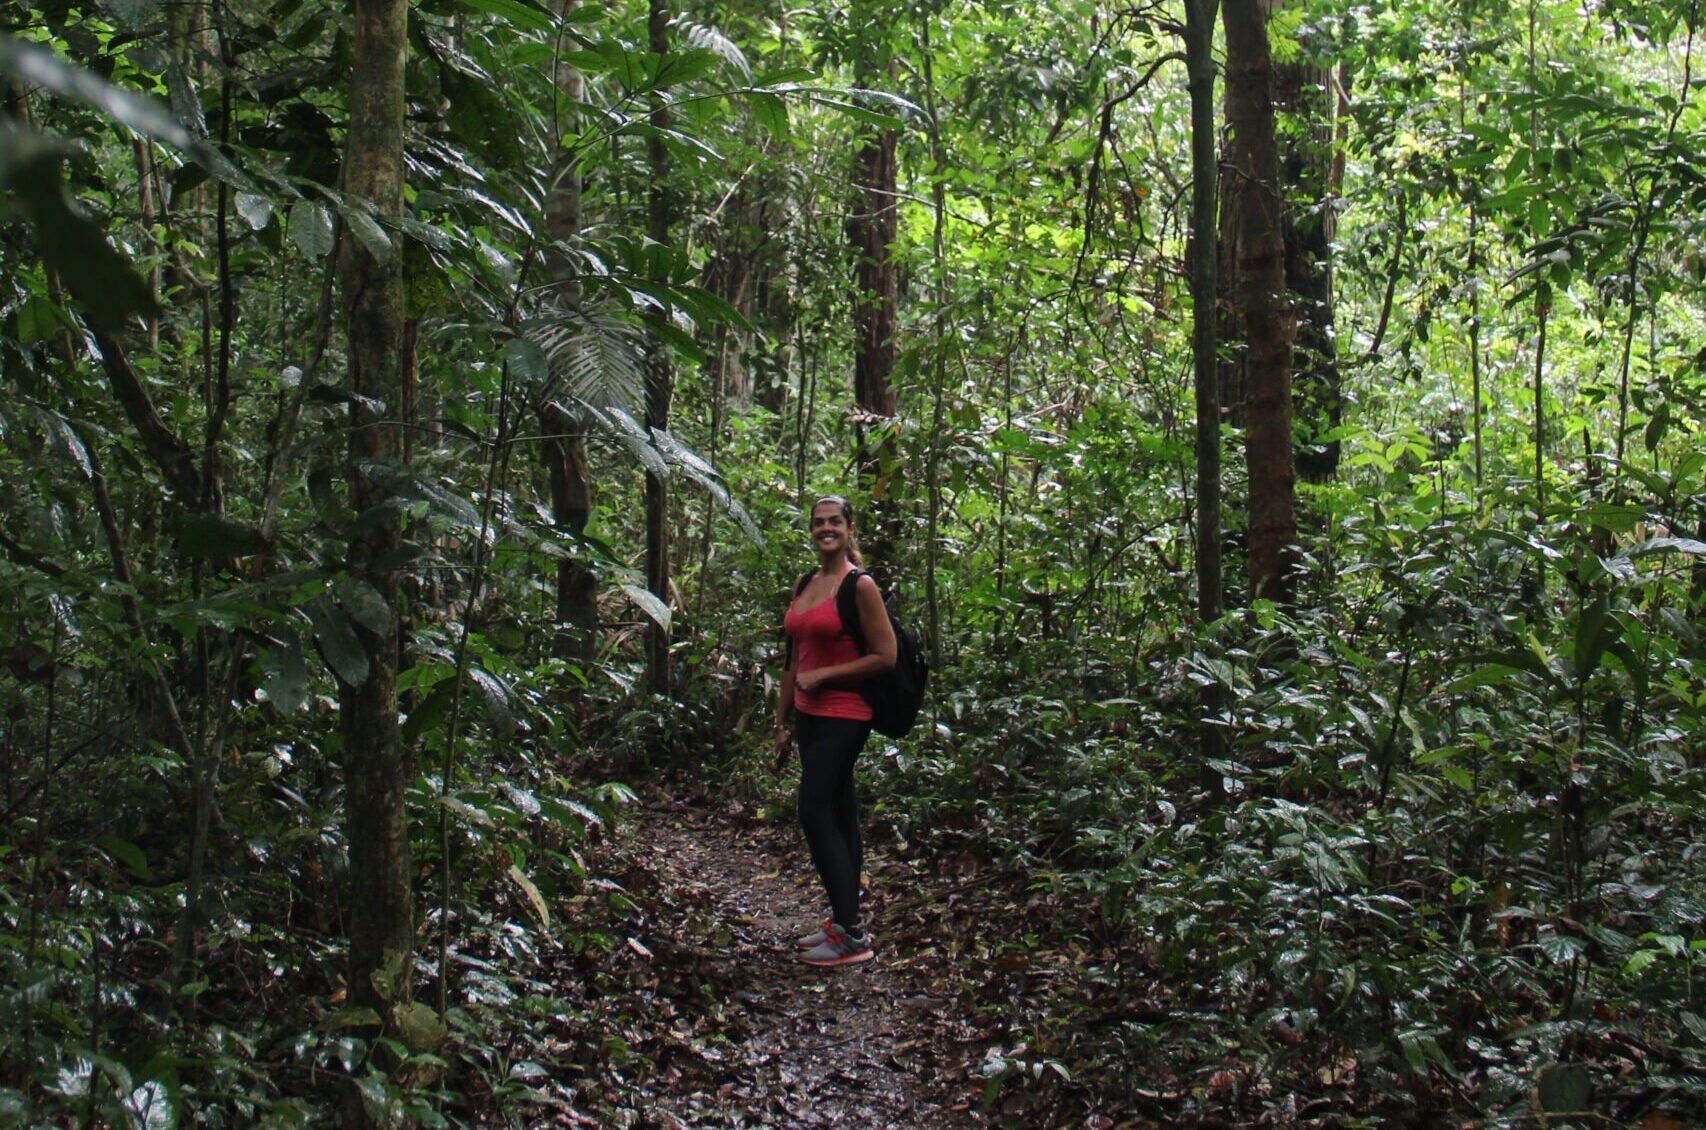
{"points": [[879, 642]]}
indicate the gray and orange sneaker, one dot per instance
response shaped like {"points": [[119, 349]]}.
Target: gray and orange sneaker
{"points": [[814, 939], [839, 948]]}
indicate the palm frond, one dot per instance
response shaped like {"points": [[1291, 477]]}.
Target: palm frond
{"points": [[705, 38], [595, 356]]}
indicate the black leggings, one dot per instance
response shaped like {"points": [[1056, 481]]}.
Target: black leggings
{"points": [[829, 808]]}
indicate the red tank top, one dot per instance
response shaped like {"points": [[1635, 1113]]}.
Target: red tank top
{"points": [[820, 642]]}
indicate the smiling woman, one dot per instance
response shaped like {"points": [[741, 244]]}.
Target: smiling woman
{"points": [[820, 703]]}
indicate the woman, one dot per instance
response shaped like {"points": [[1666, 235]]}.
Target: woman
{"points": [[830, 720]]}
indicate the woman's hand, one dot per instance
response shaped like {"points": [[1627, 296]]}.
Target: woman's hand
{"points": [[808, 680], [784, 740]]}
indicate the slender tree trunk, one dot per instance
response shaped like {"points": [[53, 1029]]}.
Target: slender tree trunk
{"points": [[375, 767], [564, 448], [1199, 66], [658, 377], [1264, 312]]}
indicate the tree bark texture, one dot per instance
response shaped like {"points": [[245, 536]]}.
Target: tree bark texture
{"points": [[1263, 308], [1304, 93], [375, 768], [871, 230], [571, 506], [659, 380], [1199, 65], [871, 233], [564, 448]]}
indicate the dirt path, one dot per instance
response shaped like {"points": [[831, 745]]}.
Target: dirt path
{"points": [[878, 1044]]}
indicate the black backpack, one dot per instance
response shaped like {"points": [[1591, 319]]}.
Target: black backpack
{"points": [[896, 694]]}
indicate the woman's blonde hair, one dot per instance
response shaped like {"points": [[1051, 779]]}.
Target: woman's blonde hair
{"points": [[853, 554]]}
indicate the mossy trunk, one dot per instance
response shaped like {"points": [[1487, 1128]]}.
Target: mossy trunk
{"points": [[375, 767], [1264, 312]]}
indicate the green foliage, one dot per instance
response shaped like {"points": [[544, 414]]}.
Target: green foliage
{"points": [[1443, 861]]}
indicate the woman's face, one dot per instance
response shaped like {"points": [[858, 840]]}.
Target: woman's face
{"points": [[829, 527]]}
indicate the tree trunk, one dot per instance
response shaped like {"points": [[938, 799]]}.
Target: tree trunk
{"points": [[1304, 93], [871, 229], [871, 233], [576, 637], [564, 448], [1199, 65], [375, 768], [1263, 311], [658, 376]]}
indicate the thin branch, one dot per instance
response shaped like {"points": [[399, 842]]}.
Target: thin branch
{"points": [[165, 447], [29, 558]]}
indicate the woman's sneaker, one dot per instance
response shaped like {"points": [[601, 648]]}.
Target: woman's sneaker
{"points": [[838, 948], [814, 939]]}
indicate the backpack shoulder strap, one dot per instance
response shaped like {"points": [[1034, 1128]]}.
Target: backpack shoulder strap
{"points": [[847, 605]]}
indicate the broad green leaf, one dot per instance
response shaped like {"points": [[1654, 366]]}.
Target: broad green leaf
{"points": [[38, 320], [475, 816], [1638, 962], [1689, 546], [151, 1107], [68, 241], [367, 231], [256, 210], [518, 12], [771, 112], [66, 439], [339, 646], [534, 898], [41, 68], [311, 228], [214, 537], [365, 604], [1617, 517], [497, 696], [186, 102], [128, 854], [284, 676], [650, 604], [1591, 635]]}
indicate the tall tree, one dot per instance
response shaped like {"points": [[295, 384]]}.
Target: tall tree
{"points": [[659, 379], [871, 228], [375, 765], [1199, 66], [564, 446], [1264, 314]]}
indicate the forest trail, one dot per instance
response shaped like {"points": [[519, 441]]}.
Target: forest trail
{"points": [[878, 1044]]}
